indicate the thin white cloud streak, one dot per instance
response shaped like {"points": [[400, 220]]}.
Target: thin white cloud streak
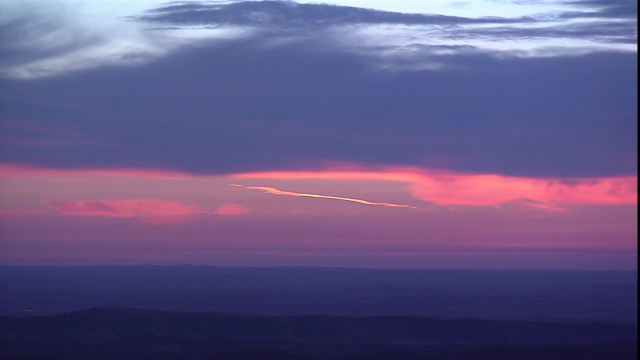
{"points": [[270, 190]]}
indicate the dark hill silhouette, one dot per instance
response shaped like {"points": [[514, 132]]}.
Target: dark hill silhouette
{"points": [[105, 333]]}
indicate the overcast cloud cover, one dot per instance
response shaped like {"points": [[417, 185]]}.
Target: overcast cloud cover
{"points": [[228, 87]]}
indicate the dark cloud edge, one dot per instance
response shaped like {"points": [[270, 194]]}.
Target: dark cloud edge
{"points": [[614, 23], [286, 13]]}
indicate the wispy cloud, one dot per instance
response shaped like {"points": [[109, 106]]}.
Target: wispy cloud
{"points": [[289, 14], [271, 190], [599, 23], [55, 39]]}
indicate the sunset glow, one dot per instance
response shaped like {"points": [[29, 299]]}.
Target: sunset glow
{"points": [[486, 190], [332, 133]]}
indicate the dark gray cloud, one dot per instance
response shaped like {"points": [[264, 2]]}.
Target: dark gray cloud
{"points": [[289, 14], [596, 31], [610, 21], [624, 9], [619, 9], [235, 105], [259, 103]]}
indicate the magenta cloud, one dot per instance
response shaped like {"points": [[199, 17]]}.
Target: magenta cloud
{"points": [[232, 209], [453, 189], [129, 208]]}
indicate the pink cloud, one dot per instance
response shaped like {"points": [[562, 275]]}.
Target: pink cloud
{"points": [[444, 188], [484, 190], [129, 208], [451, 189], [232, 209]]}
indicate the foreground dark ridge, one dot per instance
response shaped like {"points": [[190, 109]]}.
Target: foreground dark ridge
{"points": [[104, 333]]}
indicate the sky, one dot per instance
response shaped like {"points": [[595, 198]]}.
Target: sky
{"points": [[489, 134]]}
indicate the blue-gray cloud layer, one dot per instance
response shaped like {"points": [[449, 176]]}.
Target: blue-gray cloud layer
{"points": [[237, 105], [615, 20], [290, 14]]}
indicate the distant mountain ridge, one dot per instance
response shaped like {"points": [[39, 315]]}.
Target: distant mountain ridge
{"points": [[161, 334], [558, 296]]}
